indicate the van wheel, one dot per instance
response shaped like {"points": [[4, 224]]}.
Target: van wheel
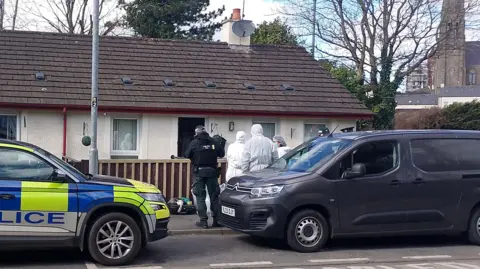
{"points": [[114, 239], [307, 231], [474, 228]]}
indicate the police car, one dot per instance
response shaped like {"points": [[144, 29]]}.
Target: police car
{"points": [[46, 202]]}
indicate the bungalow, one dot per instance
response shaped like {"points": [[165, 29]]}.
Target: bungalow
{"points": [[154, 92]]}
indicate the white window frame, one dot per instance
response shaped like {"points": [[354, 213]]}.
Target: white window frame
{"points": [[312, 123], [17, 115], [267, 121], [115, 153]]}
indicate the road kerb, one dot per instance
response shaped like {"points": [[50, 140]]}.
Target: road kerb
{"points": [[212, 231]]}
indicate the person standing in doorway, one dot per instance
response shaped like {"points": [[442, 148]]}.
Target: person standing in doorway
{"points": [[234, 156], [203, 152], [259, 151]]}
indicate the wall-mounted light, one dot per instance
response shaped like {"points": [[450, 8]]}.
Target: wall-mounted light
{"points": [[231, 126], [292, 130]]}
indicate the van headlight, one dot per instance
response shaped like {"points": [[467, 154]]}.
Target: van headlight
{"points": [[271, 191]]}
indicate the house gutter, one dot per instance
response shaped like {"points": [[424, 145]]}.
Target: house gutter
{"points": [[367, 115], [64, 150]]}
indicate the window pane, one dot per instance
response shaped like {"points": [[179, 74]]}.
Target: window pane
{"points": [[437, 155], [378, 157], [268, 129], [125, 135], [8, 127], [311, 130], [18, 165]]}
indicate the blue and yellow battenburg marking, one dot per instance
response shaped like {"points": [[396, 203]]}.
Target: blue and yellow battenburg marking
{"points": [[44, 202]]}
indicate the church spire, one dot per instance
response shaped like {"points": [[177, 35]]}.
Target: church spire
{"points": [[449, 59]]}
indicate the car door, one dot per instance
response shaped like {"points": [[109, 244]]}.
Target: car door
{"points": [[36, 199], [374, 202], [437, 174]]}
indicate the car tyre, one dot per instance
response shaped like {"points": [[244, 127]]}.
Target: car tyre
{"points": [[115, 231], [474, 227], [307, 231]]}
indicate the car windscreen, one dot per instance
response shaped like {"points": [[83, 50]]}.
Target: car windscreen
{"points": [[311, 155], [62, 164]]}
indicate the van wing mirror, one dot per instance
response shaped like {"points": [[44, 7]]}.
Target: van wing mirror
{"points": [[357, 170]]}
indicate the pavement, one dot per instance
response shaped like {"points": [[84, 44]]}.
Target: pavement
{"points": [[185, 225], [200, 251]]}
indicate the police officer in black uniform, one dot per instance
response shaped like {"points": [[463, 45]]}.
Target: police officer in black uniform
{"points": [[203, 151]]}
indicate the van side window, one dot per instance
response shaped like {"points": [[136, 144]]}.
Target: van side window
{"points": [[378, 157], [441, 155], [19, 165]]}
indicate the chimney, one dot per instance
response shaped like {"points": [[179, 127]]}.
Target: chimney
{"points": [[227, 32]]}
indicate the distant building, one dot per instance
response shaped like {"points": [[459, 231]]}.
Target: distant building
{"points": [[444, 97], [457, 61], [418, 79]]}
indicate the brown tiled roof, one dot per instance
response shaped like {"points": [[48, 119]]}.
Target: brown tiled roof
{"points": [[66, 62]]}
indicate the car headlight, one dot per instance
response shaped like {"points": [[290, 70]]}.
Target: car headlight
{"points": [[264, 192], [154, 197], [157, 207]]}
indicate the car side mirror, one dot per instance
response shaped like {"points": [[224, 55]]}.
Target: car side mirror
{"points": [[357, 170], [59, 176]]}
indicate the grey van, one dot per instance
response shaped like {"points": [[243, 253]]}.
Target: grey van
{"points": [[379, 183]]}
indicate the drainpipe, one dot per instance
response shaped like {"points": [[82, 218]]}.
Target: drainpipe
{"points": [[64, 152]]}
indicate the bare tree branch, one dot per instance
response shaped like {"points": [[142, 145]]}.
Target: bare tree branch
{"points": [[74, 16]]}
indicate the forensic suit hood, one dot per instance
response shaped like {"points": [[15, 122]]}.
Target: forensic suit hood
{"points": [[259, 151], [234, 156]]}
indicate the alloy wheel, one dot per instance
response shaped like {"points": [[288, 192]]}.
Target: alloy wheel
{"points": [[115, 239]]}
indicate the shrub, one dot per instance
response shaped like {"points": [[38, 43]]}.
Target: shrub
{"points": [[431, 118]]}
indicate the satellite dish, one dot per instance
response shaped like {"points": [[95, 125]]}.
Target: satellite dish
{"points": [[243, 28]]}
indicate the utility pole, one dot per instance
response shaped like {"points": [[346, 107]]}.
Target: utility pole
{"points": [[314, 22], [93, 156], [2, 13]]}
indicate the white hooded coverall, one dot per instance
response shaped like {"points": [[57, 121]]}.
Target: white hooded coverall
{"points": [[234, 156], [259, 151]]}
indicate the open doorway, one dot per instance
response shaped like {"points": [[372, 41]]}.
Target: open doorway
{"points": [[186, 132]]}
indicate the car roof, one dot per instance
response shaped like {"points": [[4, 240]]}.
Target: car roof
{"points": [[367, 134], [18, 143]]}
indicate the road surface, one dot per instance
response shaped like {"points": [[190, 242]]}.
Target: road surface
{"points": [[241, 251]]}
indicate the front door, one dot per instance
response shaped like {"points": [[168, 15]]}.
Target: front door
{"points": [[374, 202], [186, 132], [32, 201]]}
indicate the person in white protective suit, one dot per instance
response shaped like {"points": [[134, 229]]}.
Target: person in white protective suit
{"points": [[282, 148], [259, 151], [234, 156]]}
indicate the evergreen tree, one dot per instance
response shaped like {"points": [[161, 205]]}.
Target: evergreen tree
{"points": [[173, 19], [276, 32]]}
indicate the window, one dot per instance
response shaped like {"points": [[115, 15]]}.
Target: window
{"points": [[19, 165], [269, 129], [8, 127], [440, 155], [311, 130], [125, 139], [378, 157], [472, 77]]}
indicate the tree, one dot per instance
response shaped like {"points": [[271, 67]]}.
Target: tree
{"points": [[384, 39], [8, 14], [74, 16], [347, 76], [276, 32], [173, 19]]}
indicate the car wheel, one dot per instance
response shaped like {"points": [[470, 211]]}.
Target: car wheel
{"points": [[474, 228], [114, 239], [307, 231]]}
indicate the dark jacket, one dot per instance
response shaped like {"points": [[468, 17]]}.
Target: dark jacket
{"points": [[203, 151]]}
